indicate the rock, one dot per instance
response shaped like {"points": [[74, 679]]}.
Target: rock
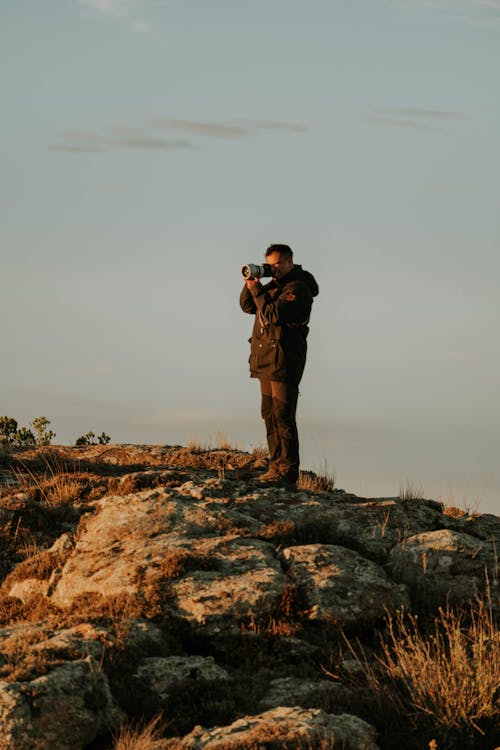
{"points": [[162, 674], [180, 684], [441, 563], [248, 582], [130, 547], [63, 710], [341, 586], [37, 574], [283, 726], [312, 693], [199, 595], [370, 527], [485, 526]]}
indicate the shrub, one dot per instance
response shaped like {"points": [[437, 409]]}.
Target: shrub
{"points": [[446, 681], [90, 439], [43, 435], [24, 437], [8, 429]]}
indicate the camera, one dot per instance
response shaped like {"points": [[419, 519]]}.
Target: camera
{"points": [[252, 271]]}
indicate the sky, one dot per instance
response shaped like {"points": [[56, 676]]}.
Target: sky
{"points": [[151, 147]]}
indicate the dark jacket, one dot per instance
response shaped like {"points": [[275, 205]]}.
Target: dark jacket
{"points": [[282, 309]]}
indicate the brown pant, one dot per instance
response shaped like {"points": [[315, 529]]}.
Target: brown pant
{"points": [[278, 408]]}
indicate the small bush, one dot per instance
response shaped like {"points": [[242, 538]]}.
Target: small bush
{"points": [[90, 439], [445, 682], [43, 435]]}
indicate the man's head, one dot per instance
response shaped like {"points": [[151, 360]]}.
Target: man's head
{"points": [[280, 258]]}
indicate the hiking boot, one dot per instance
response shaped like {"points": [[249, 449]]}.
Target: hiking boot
{"points": [[279, 481], [269, 476], [285, 483]]}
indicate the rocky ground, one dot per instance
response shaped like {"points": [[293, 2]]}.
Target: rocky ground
{"points": [[143, 581]]}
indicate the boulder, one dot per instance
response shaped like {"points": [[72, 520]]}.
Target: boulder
{"points": [[308, 693], [248, 583], [341, 586], [283, 727], [370, 527], [445, 564], [189, 689], [62, 710]]}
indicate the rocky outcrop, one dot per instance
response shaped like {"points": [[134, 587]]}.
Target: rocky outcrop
{"points": [[343, 587], [446, 564], [284, 727], [64, 709], [176, 585]]}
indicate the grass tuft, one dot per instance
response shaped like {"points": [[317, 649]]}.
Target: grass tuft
{"points": [[134, 737], [445, 678], [410, 491], [323, 482]]}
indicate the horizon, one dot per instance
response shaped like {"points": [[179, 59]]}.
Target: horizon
{"points": [[151, 149]]}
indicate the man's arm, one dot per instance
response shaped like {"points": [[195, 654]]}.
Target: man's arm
{"points": [[247, 302], [292, 306]]}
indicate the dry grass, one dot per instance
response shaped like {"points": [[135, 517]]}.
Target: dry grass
{"points": [[291, 607], [40, 566], [21, 660], [447, 678], [195, 445], [220, 443], [465, 508], [133, 737], [54, 486], [260, 451], [410, 491], [323, 482]]}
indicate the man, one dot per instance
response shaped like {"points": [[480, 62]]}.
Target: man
{"points": [[278, 355]]}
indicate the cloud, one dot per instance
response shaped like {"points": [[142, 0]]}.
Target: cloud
{"points": [[273, 125], [121, 136], [210, 129], [146, 137], [225, 130], [420, 113], [78, 141], [139, 138], [415, 118], [412, 124]]}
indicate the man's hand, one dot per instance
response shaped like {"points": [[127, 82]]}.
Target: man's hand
{"points": [[251, 282]]}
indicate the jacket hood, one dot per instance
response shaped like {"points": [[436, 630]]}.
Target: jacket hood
{"points": [[298, 274]]}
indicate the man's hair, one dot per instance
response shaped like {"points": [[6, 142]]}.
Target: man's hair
{"points": [[285, 251]]}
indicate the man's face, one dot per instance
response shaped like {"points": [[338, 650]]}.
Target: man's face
{"points": [[280, 266]]}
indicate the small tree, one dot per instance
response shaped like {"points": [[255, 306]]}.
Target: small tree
{"points": [[43, 435], [24, 438], [8, 429], [89, 439]]}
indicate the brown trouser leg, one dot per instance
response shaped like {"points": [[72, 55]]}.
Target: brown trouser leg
{"points": [[278, 408]]}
